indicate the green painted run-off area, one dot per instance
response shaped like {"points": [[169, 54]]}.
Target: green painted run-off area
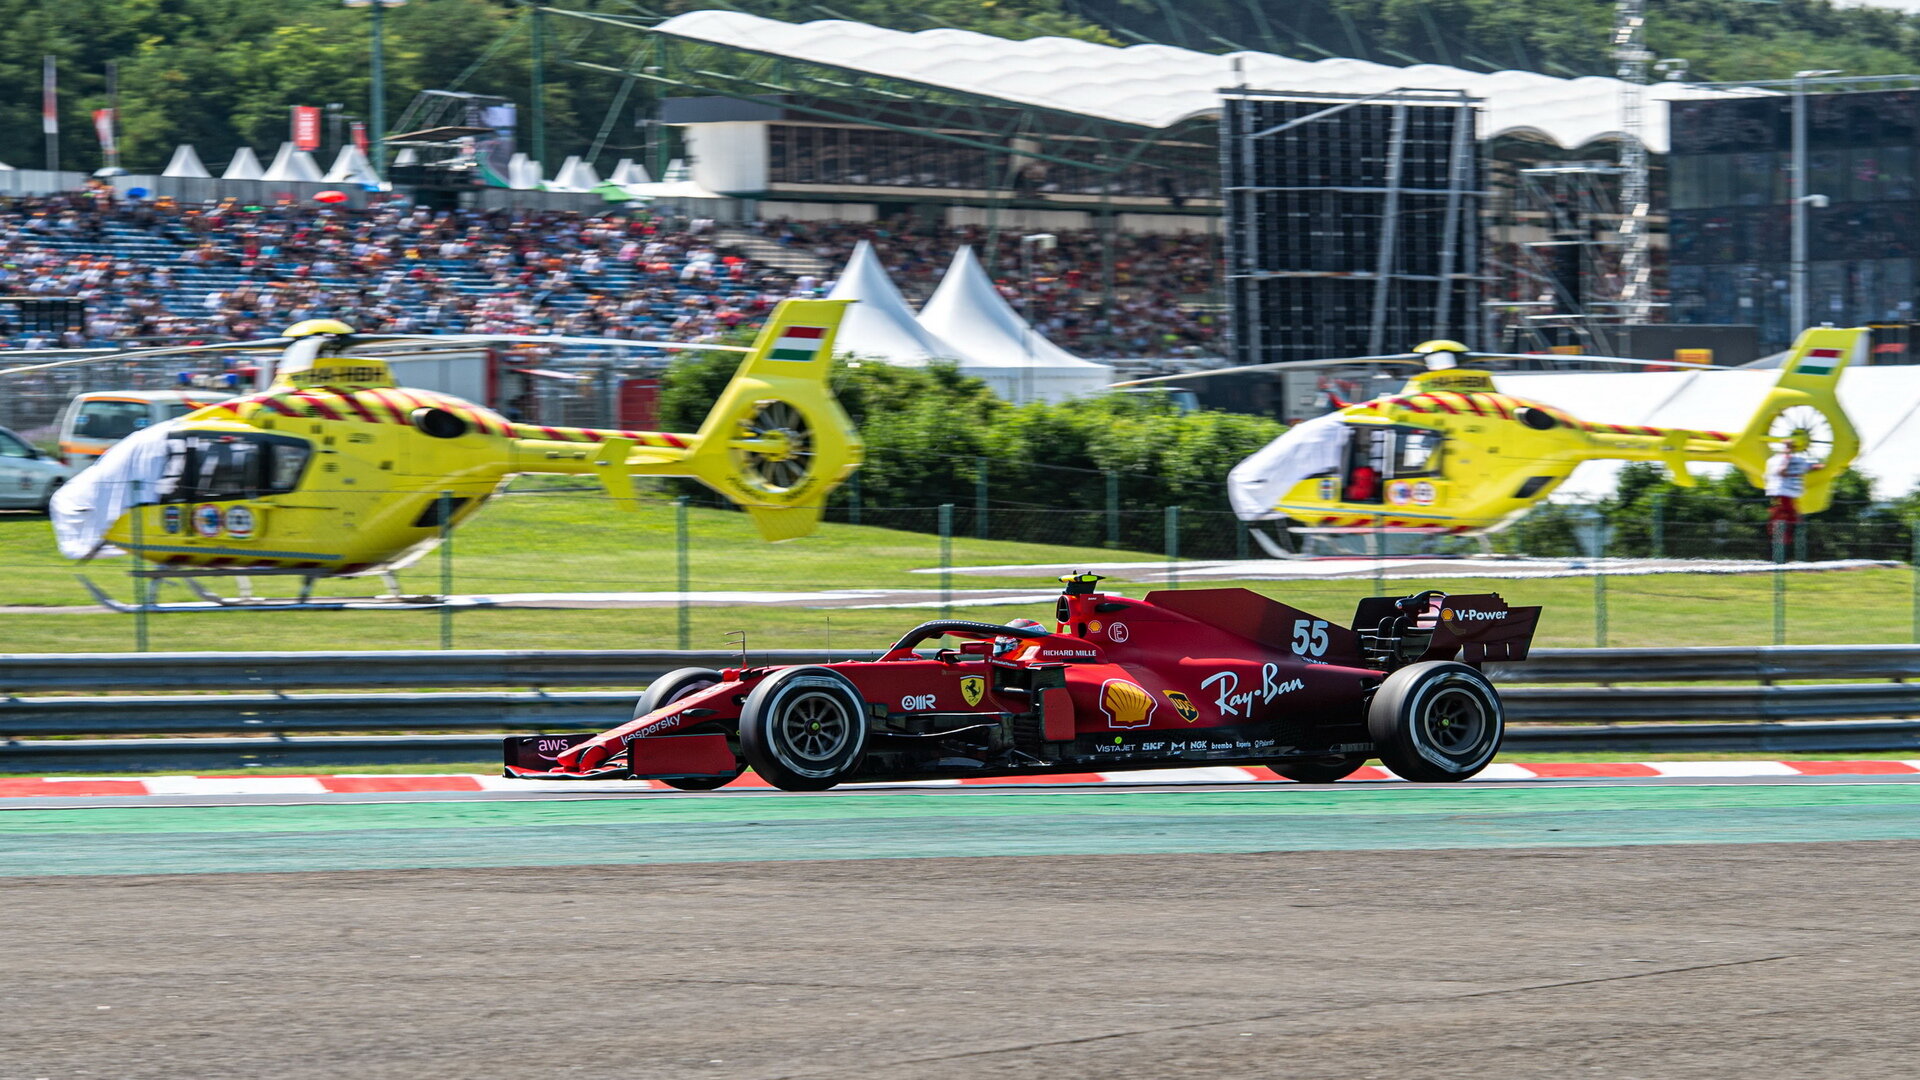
{"points": [[230, 839]]}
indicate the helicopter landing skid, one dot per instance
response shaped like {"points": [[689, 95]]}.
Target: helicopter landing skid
{"points": [[246, 601]]}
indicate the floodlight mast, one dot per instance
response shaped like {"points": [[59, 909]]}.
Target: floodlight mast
{"points": [[1636, 242]]}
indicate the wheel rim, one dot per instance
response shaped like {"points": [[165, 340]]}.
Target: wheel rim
{"points": [[1455, 722], [815, 728]]}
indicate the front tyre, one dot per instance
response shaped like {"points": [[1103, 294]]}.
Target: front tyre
{"points": [[668, 689], [804, 729], [1436, 722]]}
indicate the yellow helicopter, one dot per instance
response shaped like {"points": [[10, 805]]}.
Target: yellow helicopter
{"points": [[1452, 453], [335, 470]]}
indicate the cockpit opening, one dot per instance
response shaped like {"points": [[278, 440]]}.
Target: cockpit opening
{"points": [[207, 466]]}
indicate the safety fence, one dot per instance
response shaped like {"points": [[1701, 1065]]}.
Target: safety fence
{"points": [[58, 714], [557, 565]]}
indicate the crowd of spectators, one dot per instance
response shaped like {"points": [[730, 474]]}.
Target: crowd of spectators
{"points": [[154, 271]]}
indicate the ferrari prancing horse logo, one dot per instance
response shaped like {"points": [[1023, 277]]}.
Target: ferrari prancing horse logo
{"points": [[973, 688]]}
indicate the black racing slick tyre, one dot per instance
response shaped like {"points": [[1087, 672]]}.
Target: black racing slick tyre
{"points": [[1436, 722], [1320, 770], [669, 688], [804, 729]]}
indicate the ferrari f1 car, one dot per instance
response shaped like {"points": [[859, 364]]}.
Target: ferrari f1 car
{"points": [[1189, 677]]}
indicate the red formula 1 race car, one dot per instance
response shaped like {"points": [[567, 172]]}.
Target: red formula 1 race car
{"points": [[1190, 677]]}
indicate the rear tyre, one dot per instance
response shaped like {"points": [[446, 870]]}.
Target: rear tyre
{"points": [[670, 688], [1436, 722], [1323, 770], [804, 729]]}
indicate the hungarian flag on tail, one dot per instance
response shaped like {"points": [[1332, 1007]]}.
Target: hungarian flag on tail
{"points": [[799, 343], [1819, 362]]}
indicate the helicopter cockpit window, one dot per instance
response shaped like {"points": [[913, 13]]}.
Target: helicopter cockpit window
{"points": [[1416, 452], [206, 466]]}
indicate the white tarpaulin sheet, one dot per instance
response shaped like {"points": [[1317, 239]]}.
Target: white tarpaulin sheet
{"points": [[86, 506], [1309, 448]]}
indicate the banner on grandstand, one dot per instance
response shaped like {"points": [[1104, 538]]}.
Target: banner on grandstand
{"points": [[494, 152], [306, 127], [360, 136], [49, 99], [103, 127]]}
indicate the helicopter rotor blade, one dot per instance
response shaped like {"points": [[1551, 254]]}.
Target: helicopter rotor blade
{"points": [[540, 339], [1284, 365], [97, 355], [1478, 356]]}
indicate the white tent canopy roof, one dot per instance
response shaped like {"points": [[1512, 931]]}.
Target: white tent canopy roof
{"points": [[1157, 86], [186, 163], [881, 325], [291, 166], [351, 167], [967, 312], [627, 172], [244, 166]]}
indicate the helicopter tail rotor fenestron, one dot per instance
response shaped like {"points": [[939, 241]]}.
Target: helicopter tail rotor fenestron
{"points": [[1803, 410]]}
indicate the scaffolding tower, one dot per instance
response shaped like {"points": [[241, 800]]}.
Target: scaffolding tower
{"points": [[1352, 223]]}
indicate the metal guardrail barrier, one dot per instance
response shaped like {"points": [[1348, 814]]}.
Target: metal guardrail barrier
{"points": [[32, 673], [1610, 715]]}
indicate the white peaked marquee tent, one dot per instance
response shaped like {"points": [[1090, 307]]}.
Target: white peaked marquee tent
{"points": [[627, 172], [292, 166], [998, 346], [351, 167], [881, 326], [244, 166], [186, 164]]}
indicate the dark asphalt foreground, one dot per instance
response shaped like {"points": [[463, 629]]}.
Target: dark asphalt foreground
{"points": [[1751, 961]]}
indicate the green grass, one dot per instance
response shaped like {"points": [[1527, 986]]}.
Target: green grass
{"points": [[574, 542]]}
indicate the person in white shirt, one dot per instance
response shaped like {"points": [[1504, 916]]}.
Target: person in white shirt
{"points": [[1786, 477]]}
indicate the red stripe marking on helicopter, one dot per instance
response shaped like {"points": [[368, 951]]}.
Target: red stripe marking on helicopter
{"points": [[1500, 406], [1406, 404], [399, 414], [318, 404], [1825, 354], [1651, 430], [273, 402], [1437, 400], [353, 402], [554, 434], [1472, 404]]}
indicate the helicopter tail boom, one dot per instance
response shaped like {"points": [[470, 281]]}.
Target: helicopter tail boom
{"points": [[775, 443]]}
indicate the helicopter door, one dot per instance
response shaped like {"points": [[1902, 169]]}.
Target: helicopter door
{"points": [[1414, 466], [1366, 468]]}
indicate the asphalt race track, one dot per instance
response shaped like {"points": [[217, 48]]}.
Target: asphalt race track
{"points": [[1716, 930]]}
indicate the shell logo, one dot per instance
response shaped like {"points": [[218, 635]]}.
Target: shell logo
{"points": [[1125, 704], [1446, 614]]}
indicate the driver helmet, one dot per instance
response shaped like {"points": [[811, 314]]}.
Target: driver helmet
{"points": [[1006, 643]]}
